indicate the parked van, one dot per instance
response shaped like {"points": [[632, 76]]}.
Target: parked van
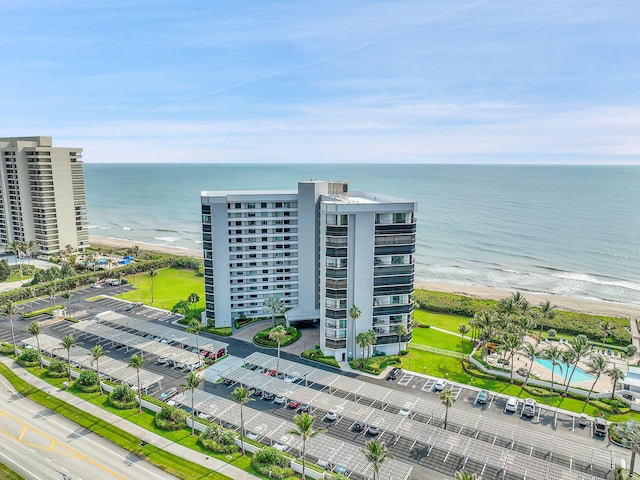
{"points": [[111, 282]]}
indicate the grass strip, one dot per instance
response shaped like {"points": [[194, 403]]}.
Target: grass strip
{"points": [[168, 462]]}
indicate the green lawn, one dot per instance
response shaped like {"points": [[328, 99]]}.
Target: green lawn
{"points": [[440, 320], [169, 286], [436, 338]]}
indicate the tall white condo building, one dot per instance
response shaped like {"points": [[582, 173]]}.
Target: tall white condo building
{"points": [[323, 250]]}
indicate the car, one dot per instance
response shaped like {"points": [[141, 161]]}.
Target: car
{"points": [[252, 436], [280, 400], [482, 397], [293, 404], [167, 394], [322, 463], [395, 373], [529, 407], [162, 360], [257, 392], [279, 446], [204, 416], [359, 426], [439, 385], [405, 411], [267, 396], [512, 404], [96, 285], [374, 429], [331, 415], [305, 408], [599, 427]]}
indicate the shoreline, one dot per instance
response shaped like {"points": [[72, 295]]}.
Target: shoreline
{"points": [[575, 304]]}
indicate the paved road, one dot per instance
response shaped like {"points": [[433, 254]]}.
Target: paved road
{"points": [[40, 444]]}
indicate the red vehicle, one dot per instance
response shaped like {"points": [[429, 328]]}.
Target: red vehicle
{"points": [[271, 373], [293, 404]]}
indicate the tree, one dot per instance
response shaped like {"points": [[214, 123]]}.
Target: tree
{"points": [[630, 433], [67, 296], [15, 247], [9, 309], [512, 342], [68, 342], [152, 274], [278, 334], [363, 341], [578, 348], [274, 305], [193, 381], [447, 399], [196, 327], [376, 453], [136, 362], [615, 374], [531, 351], [373, 338], [182, 307], [304, 424], [97, 352], [51, 291], [193, 299], [464, 475], [5, 270], [29, 247], [401, 330], [464, 329], [547, 312], [35, 329], [554, 355], [597, 366], [354, 313], [242, 396], [607, 329]]}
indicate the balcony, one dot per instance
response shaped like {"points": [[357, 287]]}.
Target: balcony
{"points": [[335, 344]]}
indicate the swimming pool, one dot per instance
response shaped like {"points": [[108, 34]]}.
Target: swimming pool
{"points": [[578, 376]]}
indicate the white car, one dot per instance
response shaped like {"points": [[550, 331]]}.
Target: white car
{"points": [[331, 415], [440, 384], [405, 411], [280, 400], [512, 404]]}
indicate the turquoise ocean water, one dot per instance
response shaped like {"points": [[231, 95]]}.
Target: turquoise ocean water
{"points": [[569, 230]]}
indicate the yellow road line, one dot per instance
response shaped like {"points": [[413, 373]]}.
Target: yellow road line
{"points": [[54, 446]]}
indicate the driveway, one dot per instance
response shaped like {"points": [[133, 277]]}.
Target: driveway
{"points": [[309, 337]]}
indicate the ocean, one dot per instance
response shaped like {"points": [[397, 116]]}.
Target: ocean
{"points": [[568, 230]]}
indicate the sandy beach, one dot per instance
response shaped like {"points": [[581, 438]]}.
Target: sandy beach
{"points": [[599, 307]]}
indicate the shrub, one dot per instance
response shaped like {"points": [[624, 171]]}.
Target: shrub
{"points": [[271, 462], [57, 369], [375, 364], [123, 397], [218, 439], [631, 349], [28, 358], [6, 349], [552, 333], [171, 418], [88, 381], [262, 338]]}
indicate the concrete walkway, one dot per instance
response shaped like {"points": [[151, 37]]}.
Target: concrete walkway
{"points": [[144, 435], [308, 338]]}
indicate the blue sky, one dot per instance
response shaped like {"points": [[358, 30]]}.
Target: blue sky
{"points": [[504, 81]]}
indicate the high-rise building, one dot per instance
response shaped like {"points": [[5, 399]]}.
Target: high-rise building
{"points": [[323, 250], [42, 195]]}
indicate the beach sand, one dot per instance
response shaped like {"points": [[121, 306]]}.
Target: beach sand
{"points": [[598, 307]]}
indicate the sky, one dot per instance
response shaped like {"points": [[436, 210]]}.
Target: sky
{"points": [[344, 81]]}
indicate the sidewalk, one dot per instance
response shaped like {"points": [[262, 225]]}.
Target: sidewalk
{"points": [[144, 435]]}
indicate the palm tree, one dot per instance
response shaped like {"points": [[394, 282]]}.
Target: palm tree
{"points": [[464, 329], [447, 399], [196, 327], [354, 313], [607, 329], [193, 299], [531, 351], [193, 382], [278, 334], [512, 342], [35, 329], [464, 475], [401, 330], [554, 355], [96, 353], [242, 396], [136, 362], [67, 296], [547, 312], [578, 348], [15, 246], [9, 309], [631, 436], [68, 342], [304, 424], [373, 338], [615, 374], [274, 305], [376, 453], [30, 247], [30, 293], [51, 291], [596, 366], [152, 274], [363, 341]]}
